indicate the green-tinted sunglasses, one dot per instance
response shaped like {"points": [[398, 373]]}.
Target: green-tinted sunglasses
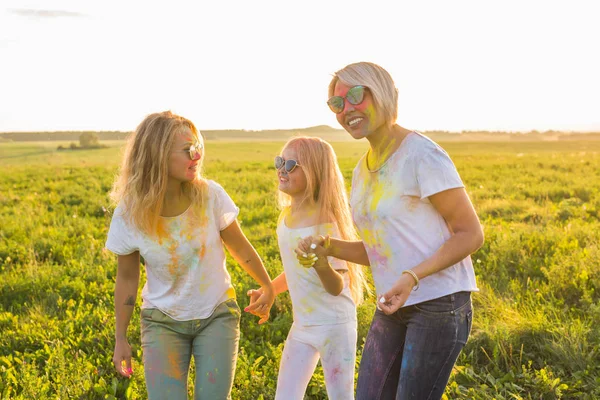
{"points": [[355, 96]]}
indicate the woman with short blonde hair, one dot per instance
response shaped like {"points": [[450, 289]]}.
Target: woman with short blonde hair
{"points": [[418, 229]]}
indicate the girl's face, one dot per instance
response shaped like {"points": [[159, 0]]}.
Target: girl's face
{"points": [[359, 120], [186, 156], [292, 183]]}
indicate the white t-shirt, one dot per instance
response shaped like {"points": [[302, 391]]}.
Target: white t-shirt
{"points": [[311, 304], [185, 266], [399, 225]]}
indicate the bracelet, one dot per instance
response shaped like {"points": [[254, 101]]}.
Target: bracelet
{"points": [[415, 277]]}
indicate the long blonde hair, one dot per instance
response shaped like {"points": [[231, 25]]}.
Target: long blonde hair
{"points": [[325, 190], [141, 184]]}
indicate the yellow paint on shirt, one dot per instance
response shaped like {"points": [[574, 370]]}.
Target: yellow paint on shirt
{"points": [[231, 293]]}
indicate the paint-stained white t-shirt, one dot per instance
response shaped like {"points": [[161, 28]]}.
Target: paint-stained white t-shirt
{"points": [[311, 303], [185, 265], [399, 225]]}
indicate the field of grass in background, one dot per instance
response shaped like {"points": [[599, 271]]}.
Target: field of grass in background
{"points": [[535, 332]]}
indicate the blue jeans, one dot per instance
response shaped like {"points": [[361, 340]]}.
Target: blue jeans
{"points": [[168, 346], [410, 354]]}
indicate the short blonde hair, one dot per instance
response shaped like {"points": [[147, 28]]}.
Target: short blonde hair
{"points": [[377, 80]]}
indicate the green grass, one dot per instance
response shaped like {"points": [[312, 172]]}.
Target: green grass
{"points": [[535, 332]]}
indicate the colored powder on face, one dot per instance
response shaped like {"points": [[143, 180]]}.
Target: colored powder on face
{"points": [[371, 114]]}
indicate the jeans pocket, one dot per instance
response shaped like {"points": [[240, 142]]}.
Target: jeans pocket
{"points": [[469, 323], [146, 314], [229, 307], [465, 321]]}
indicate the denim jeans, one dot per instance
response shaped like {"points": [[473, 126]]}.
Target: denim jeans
{"points": [[410, 354], [168, 346]]}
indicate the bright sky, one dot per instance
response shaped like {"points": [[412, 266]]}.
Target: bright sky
{"points": [[459, 65]]}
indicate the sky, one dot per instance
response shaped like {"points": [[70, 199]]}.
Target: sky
{"points": [[458, 65]]}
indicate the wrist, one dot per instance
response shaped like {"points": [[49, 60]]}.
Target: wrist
{"points": [[329, 245], [321, 264], [411, 278], [121, 337], [268, 288]]}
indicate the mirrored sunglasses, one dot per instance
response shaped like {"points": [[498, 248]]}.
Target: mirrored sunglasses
{"points": [[195, 149], [287, 165], [354, 96]]}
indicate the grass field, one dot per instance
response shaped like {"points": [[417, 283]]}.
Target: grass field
{"points": [[535, 332]]}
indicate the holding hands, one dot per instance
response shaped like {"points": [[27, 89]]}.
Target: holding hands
{"points": [[261, 301], [313, 252]]}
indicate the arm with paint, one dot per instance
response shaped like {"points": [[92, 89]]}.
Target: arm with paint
{"points": [[242, 251], [127, 281], [348, 250]]}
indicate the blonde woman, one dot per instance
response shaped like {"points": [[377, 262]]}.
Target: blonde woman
{"points": [[324, 292], [178, 222], [418, 229]]}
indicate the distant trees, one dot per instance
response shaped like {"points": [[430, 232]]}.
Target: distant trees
{"points": [[87, 140]]}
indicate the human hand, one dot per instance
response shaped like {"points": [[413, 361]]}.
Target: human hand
{"points": [[261, 301], [122, 358], [393, 299], [313, 251]]}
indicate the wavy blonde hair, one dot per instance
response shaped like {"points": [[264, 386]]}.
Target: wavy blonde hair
{"points": [[377, 80], [326, 191], [141, 184]]}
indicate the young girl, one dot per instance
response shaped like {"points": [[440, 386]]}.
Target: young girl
{"points": [[178, 221], [324, 291]]}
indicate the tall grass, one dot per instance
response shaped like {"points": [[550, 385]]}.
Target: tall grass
{"points": [[535, 332]]}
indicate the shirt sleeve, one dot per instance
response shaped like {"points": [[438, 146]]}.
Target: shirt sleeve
{"points": [[436, 172], [121, 238], [225, 209]]}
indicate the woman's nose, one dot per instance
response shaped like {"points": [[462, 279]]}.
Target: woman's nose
{"points": [[347, 106]]}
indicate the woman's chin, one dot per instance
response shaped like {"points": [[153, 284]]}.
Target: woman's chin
{"points": [[357, 134]]}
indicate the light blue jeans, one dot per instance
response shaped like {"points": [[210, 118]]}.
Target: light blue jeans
{"points": [[168, 346]]}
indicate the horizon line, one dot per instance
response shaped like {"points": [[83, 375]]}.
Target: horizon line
{"points": [[316, 128]]}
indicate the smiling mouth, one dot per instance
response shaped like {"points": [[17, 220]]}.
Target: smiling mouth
{"points": [[355, 121]]}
